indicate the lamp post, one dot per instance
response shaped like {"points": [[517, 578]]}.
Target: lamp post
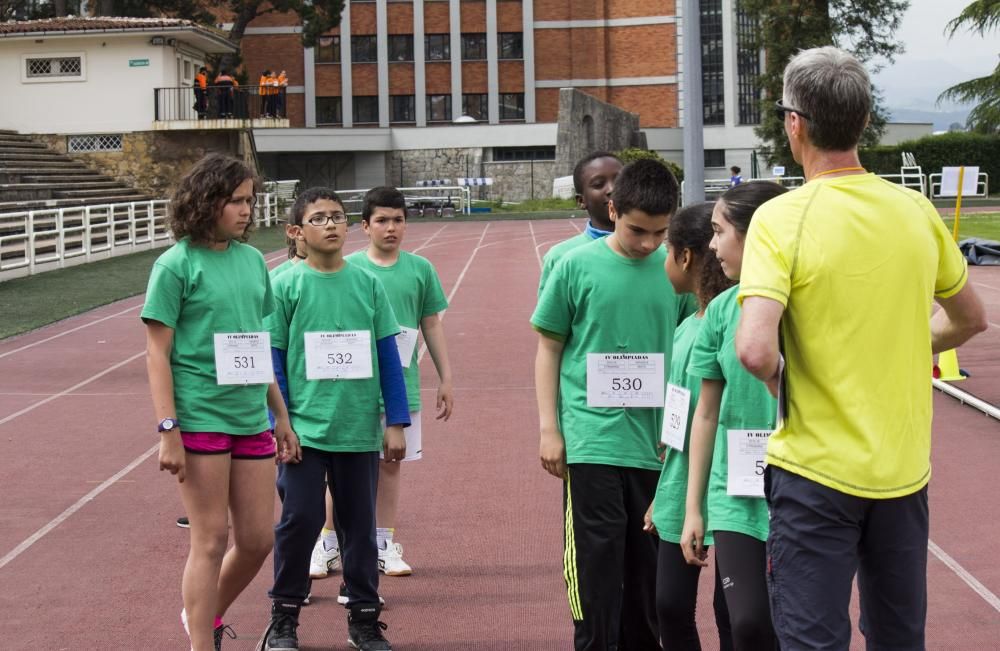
{"points": [[694, 116]]}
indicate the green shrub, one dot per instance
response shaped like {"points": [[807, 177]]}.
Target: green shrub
{"points": [[944, 150], [635, 153]]}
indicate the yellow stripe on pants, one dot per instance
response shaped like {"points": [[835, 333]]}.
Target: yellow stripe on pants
{"points": [[569, 558]]}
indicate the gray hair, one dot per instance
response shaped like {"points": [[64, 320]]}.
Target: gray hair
{"points": [[834, 89]]}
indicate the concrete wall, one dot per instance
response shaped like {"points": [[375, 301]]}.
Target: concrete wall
{"points": [[110, 97], [587, 124], [153, 161]]}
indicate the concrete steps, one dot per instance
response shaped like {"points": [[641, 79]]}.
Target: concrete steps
{"points": [[34, 177]]}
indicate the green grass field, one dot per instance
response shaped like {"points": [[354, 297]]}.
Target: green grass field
{"points": [[35, 301]]}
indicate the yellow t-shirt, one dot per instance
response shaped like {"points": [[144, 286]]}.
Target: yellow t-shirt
{"points": [[856, 261]]}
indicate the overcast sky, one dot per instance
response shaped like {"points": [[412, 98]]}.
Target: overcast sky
{"points": [[932, 62]]}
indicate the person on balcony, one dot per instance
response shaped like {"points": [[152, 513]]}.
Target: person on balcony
{"points": [[226, 88], [201, 92]]}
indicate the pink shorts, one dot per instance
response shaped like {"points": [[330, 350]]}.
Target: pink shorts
{"points": [[252, 446]]}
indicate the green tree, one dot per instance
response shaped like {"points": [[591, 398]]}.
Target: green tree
{"points": [[863, 27], [979, 17], [637, 153]]}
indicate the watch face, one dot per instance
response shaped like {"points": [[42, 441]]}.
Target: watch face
{"points": [[167, 424]]}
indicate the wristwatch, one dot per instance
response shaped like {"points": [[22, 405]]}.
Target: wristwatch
{"points": [[167, 424]]}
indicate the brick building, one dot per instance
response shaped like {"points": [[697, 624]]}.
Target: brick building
{"points": [[377, 100]]}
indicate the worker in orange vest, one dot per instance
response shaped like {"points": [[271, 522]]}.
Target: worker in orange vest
{"points": [[264, 90], [201, 92], [226, 87], [282, 91]]}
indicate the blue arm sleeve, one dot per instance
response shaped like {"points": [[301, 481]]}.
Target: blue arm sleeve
{"points": [[390, 371], [279, 359]]}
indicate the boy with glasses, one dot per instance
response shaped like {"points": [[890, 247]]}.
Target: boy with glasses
{"points": [[333, 335]]}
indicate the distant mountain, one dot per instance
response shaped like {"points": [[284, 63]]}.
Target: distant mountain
{"points": [[941, 119]]}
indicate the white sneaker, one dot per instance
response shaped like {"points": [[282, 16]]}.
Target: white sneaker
{"points": [[390, 561], [323, 561]]}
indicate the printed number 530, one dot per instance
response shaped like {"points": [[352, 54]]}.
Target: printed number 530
{"points": [[626, 384]]}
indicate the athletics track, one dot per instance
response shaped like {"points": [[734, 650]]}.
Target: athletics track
{"points": [[90, 557]]}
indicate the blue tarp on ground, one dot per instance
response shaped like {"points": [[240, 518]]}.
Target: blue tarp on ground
{"points": [[982, 252]]}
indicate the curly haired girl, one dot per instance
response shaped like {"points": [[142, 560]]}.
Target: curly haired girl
{"points": [[209, 363]]}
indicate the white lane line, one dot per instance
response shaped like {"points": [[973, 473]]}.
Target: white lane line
{"points": [[76, 386], [965, 575], [535, 240], [79, 504], [976, 282], [458, 283], [428, 240], [66, 332], [578, 229]]}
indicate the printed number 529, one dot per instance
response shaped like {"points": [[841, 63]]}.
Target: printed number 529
{"points": [[626, 384]]}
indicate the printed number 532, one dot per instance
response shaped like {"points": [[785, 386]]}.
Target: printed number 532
{"points": [[338, 358]]}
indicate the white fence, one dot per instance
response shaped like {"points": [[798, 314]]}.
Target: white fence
{"points": [[34, 241], [982, 186]]}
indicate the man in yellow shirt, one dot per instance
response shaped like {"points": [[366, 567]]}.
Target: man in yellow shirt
{"points": [[838, 281]]}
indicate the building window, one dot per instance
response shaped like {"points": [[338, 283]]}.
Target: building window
{"points": [[363, 49], [511, 45], [403, 108], [401, 47], [328, 49], [713, 84], [715, 158], [50, 67], [747, 67], [329, 110], [437, 47], [473, 47], [439, 108], [511, 106], [476, 106], [523, 153], [365, 109], [103, 142]]}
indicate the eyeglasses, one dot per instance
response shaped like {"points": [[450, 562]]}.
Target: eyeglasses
{"points": [[780, 110], [322, 219]]}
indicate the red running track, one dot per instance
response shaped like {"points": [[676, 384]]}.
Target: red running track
{"points": [[91, 557]]}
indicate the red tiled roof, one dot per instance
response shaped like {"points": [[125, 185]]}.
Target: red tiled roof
{"points": [[99, 24]]}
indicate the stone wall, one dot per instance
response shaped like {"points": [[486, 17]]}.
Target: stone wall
{"points": [[520, 180], [586, 124], [153, 161], [406, 167]]}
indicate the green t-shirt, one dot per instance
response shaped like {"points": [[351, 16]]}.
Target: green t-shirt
{"points": [[282, 268], [556, 253], [198, 292], [331, 415], [601, 302], [671, 492], [746, 404], [414, 292]]}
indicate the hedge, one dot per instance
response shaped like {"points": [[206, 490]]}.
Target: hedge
{"points": [[945, 150]]}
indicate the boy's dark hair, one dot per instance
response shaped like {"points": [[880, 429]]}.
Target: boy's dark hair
{"points": [[691, 228], [735, 169], [583, 162], [306, 197], [739, 203], [382, 196], [203, 192], [646, 185]]}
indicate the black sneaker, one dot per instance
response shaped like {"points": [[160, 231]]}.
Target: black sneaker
{"points": [[219, 632], [342, 596], [183, 523], [364, 630], [281, 633]]}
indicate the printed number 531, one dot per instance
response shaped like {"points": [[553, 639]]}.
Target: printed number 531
{"points": [[243, 361]]}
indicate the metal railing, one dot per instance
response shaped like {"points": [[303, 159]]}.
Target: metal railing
{"points": [[982, 186], [428, 201], [219, 103], [53, 238], [33, 241]]}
